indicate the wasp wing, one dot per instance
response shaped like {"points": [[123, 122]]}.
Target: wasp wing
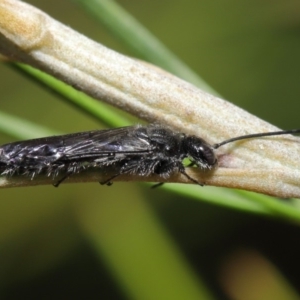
{"points": [[98, 143], [101, 143]]}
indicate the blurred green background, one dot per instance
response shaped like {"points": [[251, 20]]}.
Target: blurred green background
{"points": [[131, 242]]}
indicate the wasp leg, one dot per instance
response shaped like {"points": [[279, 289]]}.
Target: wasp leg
{"points": [[156, 185], [56, 184], [108, 181]]}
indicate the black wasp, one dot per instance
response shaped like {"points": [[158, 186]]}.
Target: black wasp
{"points": [[140, 150]]}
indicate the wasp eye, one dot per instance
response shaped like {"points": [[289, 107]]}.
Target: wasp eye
{"points": [[199, 151]]}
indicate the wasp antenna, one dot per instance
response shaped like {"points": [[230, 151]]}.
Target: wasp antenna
{"points": [[255, 135]]}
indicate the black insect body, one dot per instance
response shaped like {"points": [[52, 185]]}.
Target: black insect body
{"points": [[139, 150]]}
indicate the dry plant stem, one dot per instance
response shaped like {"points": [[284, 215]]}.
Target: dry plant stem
{"points": [[269, 165], [209, 178]]}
